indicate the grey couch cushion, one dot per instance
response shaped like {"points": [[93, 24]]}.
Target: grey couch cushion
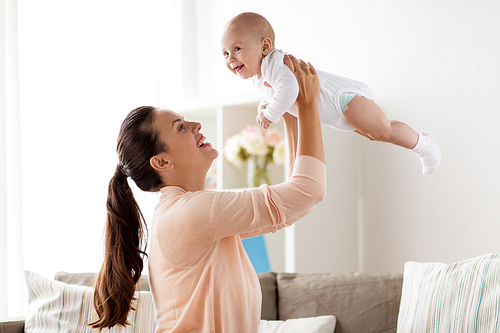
{"points": [[269, 296], [361, 302], [12, 326]]}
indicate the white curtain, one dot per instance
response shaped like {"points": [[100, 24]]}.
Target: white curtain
{"points": [[11, 255]]}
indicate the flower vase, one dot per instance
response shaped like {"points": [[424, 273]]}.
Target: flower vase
{"points": [[257, 171]]}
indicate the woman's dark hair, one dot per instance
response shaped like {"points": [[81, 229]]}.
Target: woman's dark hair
{"points": [[138, 141]]}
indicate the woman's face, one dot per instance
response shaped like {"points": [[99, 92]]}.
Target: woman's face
{"points": [[188, 149]]}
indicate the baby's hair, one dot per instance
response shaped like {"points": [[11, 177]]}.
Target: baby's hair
{"points": [[256, 23]]}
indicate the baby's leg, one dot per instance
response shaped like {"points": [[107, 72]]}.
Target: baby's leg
{"points": [[370, 121]]}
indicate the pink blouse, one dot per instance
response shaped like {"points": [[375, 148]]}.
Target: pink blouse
{"points": [[200, 275]]}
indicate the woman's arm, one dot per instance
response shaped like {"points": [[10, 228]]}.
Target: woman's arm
{"points": [[306, 100], [310, 140], [291, 137]]}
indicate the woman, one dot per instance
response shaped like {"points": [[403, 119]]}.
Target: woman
{"points": [[200, 275]]}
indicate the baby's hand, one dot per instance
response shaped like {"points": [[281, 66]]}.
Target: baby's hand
{"points": [[262, 120], [262, 106]]}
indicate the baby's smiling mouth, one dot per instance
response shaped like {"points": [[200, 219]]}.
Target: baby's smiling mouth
{"points": [[238, 69]]}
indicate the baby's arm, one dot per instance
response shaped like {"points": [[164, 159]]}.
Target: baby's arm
{"points": [[284, 84]]}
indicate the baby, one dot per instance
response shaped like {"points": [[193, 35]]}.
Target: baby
{"points": [[344, 104]]}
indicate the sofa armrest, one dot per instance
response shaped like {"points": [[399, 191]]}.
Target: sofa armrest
{"points": [[13, 325]]}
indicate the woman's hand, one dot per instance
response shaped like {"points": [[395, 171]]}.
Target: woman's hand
{"points": [[307, 78]]}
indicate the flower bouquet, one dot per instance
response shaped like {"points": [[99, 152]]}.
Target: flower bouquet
{"points": [[259, 148]]}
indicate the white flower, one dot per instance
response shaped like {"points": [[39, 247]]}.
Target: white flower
{"points": [[279, 153], [273, 136], [252, 139], [251, 142], [232, 151]]}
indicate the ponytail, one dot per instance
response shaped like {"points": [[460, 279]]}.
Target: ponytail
{"points": [[123, 258], [125, 224]]}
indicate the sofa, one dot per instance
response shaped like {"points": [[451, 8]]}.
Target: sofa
{"points": [[427, 297], [360, 302]]}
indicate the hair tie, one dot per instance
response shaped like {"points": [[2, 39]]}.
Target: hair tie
{"points": [[121, 171]]}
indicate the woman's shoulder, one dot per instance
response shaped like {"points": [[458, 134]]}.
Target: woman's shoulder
{"points": [[176, 207], [175, 198]]}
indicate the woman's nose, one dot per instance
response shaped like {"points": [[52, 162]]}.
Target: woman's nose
{"points": [[196, 126]]}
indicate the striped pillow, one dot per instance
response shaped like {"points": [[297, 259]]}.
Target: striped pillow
{"points": [[461, 297], [58, 307]]}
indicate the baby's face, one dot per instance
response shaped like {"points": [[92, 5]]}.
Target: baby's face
{"points": [[242, 52]]}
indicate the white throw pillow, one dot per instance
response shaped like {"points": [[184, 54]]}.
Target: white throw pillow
{"points": [[58, 307], [321, 324], [461, 297]]}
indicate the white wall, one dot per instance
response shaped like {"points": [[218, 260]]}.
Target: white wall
{"points": [[452, 92], [84, 66], [433, 65]]}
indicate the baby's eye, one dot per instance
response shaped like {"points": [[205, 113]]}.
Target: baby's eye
{"points": [[225, 54], [236, 49]]}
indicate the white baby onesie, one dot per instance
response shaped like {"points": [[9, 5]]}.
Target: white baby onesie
{"points": [[282, 90]]}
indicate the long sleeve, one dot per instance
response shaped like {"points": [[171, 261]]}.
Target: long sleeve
{"points": [[284, 87]]}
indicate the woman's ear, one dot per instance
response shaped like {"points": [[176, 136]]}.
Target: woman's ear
{"points": [[161, 163], [266, 46]]}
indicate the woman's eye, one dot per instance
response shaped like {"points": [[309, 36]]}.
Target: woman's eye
{"points": [[181, 127]]}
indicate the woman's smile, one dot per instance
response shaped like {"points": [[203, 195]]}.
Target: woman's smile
{"points": [[201, 142]]}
